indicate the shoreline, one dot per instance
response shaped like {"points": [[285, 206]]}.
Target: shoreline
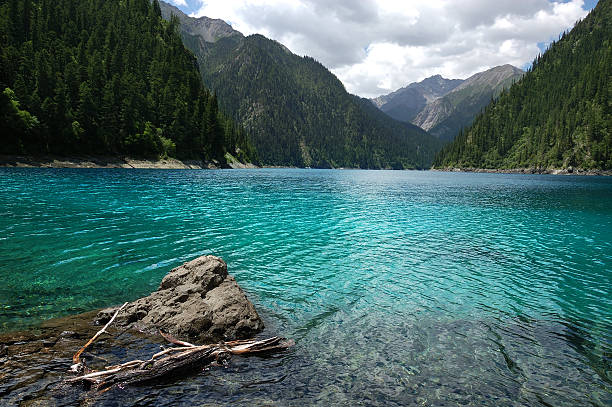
{"points": [[529, 171], [50, 161]]}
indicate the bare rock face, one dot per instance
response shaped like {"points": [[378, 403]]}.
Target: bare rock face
{"points": [[197, 302], [207, 29]]}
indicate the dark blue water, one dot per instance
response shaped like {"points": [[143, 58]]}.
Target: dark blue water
{"points": [[400, 288]]}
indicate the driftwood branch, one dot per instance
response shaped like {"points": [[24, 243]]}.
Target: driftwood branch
{"points": [[169, 363], [173, 340], [76, 359]]}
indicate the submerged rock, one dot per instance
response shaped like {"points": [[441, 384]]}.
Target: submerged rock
{"points": [[198, 301]]}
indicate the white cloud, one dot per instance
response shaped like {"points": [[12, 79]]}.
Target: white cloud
{"points": [[178, 2], [377, 46]]}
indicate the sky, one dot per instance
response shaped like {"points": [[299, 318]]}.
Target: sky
{"points": [[377, 46]]}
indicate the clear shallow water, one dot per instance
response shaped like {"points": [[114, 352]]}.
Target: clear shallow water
{"points": [[398, 287]]}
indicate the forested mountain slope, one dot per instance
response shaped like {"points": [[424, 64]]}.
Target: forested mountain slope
{"points": [[104, 77], [558, 116], [300, 114]]}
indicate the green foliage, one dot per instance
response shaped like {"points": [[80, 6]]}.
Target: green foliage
{"points": [[299, 114], [105, 77], [20, 124], [168, 148], [147, 143], [559, 115]]}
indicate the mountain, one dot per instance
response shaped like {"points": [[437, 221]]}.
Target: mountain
{"points": [[558, 116], [446, 116], [444, 106], [198, 32], [105, 77], [298, 113], [404, 104]]}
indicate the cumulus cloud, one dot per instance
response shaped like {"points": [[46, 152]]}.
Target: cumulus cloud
{"points": [[182, 3], [377, 46]]}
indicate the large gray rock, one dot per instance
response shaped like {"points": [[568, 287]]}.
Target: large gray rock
{"points": [[196, 302]]}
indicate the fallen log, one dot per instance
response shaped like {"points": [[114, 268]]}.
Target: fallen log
{"points": [[173, 340], [176, 361], [166, 368]]}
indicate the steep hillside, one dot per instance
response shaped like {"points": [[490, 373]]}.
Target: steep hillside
{"points": [[446, 116], [559, 115], [299, 113], [104, 77], [406, 103]]}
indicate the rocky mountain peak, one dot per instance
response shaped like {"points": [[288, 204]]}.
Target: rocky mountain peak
{"points": [[442, 106], [492, 77], [445, 116], [208, 29], [405, 103]]}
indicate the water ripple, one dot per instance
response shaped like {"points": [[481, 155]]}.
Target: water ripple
{"points": [[399, 287]]}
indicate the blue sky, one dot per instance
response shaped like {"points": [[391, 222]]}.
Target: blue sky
{"points": [[589, 4], [188, 6], [377, 46]]}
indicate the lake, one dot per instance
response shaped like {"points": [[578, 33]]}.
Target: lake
{"points": [[399, 287]]}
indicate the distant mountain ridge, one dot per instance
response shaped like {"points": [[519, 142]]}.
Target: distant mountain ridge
{"points": [[446, 116], [297, 112], [444, 109], [404, 104]]}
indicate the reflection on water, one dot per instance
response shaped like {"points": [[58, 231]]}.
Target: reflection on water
{"points": [[398, 287]]}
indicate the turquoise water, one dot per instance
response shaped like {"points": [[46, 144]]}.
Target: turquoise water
{"points": [[399, 288]]}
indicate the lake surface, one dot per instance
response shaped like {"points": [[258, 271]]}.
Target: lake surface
{"points": [[399, 288]]}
